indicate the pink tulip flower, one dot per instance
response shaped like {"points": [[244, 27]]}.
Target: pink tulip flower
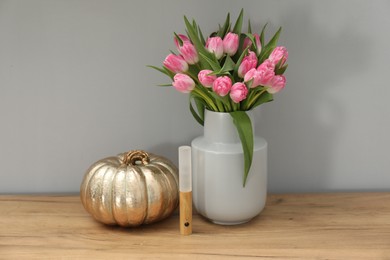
{"points": [[265, 76], [222, 85], [253, 75], [267, 72], [248, 62], [279, 53], [183, 38], [205, 79], [230, 43], [175, 63], [260, 77], [266, 65], [189, 53], [238, 92], [248, 43], [215, 45], [183, 83], [276, 84]]}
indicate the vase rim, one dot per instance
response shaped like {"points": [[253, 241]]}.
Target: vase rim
{"points": [[227, 112]]}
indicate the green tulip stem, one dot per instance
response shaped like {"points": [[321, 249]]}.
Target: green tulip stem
{"points": [[220, 106], [206, 98], [253, 99]]}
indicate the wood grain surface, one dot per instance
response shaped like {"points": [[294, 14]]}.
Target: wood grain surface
{"points": [[292, 226], [186, 213]]}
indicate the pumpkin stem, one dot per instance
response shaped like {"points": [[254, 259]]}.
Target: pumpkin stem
{"points": [[136, 157]]}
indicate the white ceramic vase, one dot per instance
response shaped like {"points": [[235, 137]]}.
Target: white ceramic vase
{"points": [[218, 168]]}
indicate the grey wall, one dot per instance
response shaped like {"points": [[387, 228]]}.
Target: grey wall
{"points": [[74, 88]]}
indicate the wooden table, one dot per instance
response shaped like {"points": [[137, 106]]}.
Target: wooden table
{"points": [[292, 226]]}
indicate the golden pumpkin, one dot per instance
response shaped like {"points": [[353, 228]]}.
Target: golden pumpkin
{"points": [[130, 189]]}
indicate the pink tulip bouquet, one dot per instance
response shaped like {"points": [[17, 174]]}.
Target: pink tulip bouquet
{"points": [[230, 71]]}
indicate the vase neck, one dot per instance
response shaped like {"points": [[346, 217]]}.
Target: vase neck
{"points": [[219, 127]]}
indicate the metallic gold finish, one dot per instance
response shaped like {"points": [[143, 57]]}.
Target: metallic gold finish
{"points": [[137, 156], [131, 189]]}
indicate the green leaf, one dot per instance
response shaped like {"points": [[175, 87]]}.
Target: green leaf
{"points": [[200, 105], [216, 96], [179, 39], [249, 26], [165, 85], [227, 66], [245, 103], [240, 46], [195, 26], [193, 71], [244, 128], [274, 41], [281, 70], [163, 70], [193, 35], [264, 98], [245, 52], [267, 50], [225, 28], [157, 68], [214, 64], [262, 36], [224, 100], [238, 26], [201, 36], [253, 40]]}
